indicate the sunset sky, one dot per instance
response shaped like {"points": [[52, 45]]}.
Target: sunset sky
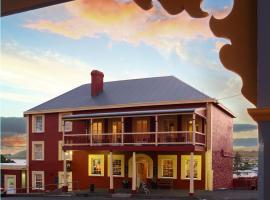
{"points": [[48, 51]]}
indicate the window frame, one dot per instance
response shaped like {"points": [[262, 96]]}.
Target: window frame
{"points": [[162, 168], [120, 157], [34, 182], [60, 122], [69, 180], [33, 150], [140, 119], [97, 122], [92, 157], [198, 159], [61, 153], [34, 127], [174, 158]]}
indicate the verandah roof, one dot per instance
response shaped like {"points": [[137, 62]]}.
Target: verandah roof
{"points": [[132, 113]]}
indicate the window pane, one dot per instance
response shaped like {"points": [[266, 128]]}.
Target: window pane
{"points": [[38, 151], [167, 166], [38, 181], [117, 167], [96, 166], [144, 127], [38, 123]]}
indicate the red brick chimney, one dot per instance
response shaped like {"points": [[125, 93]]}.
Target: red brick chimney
{"points": [[96, 82]]}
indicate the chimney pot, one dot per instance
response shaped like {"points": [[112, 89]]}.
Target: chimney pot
{"points": [[96, 82]]}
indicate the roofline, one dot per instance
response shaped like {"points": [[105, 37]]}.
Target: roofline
{"points": [[129, 113], [225, 109], [13, 167], [210, 100]]}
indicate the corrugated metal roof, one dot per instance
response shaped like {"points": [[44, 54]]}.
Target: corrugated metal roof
{"points": [[129, 113], [157, 89]]}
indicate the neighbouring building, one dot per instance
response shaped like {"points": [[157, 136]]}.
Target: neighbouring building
{"points": [[13, 176], [118, 134]]}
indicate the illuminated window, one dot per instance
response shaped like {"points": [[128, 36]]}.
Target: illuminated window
{"points": [[61, 153], [96, 165], [38, 123], [38, 180], [116, 127], [185, 167], [169, 125], [61, 180], [68, 124], [97, 127], [118, 165], [38, 150], [167, 166], [141, 125]]}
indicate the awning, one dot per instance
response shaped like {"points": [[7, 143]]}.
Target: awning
{"points": [[131, 113]]}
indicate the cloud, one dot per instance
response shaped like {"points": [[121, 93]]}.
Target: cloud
{"points": [[244, 127], [245, 134], [244, 148], [247, 142], [11, 144], [127, 22]]}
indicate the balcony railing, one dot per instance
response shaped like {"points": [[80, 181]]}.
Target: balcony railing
{"points": [[141, 138]]}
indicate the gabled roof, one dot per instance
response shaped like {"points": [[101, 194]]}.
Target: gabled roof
{"points": [[134, 91]]}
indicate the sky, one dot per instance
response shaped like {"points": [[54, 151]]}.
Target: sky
{"points": [[49, 51]]}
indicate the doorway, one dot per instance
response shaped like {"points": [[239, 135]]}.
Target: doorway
{"points": [[141, 172], [10, 184]]}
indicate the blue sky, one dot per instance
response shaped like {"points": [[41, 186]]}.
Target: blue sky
{"points": [[49, 51]]}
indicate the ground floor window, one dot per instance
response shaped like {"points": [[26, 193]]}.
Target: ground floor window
{"points": [[185, 167], [61, 180], [38, 180], [96, 165], [167, 166], [118, 165]]}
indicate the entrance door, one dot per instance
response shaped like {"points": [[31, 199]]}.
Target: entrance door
{"points": [[141, 172], [10, 184]]}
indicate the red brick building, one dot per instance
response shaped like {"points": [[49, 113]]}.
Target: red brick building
{"points": [[158, 130]]}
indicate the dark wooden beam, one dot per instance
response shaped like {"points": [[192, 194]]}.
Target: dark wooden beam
{"points": [[9, 7]]}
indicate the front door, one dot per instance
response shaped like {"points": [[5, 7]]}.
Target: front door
{"points": [[10, 184], [141, 173]]}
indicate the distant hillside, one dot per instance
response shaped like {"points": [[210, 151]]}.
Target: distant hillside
{"points": [[19, 155], [12, 125], [250, 154]]}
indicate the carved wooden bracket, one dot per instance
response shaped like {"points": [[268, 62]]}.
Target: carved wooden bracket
{"points": [[240, 27], [174, 7]]}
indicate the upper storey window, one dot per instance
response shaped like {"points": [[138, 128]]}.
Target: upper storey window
{"points": [[141, 125], [68, 124], [38, 123]]}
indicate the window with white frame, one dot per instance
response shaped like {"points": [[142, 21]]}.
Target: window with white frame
{"points": [[61, 153], [38, 150], [38, 123], [38, 180], [61, 180], [68, 124]]}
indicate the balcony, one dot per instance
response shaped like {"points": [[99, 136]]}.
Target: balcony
{"points": [[127, 129], [145, 138]]}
